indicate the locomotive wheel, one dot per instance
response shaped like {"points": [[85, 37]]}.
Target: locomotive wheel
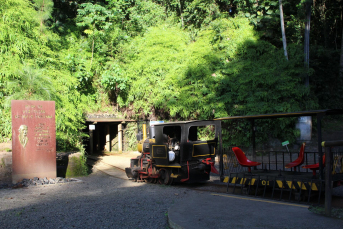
{"points": [[165, 176], [170, 181]]}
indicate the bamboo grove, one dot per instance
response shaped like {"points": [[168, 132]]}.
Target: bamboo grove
{"points": [[171, 60]]}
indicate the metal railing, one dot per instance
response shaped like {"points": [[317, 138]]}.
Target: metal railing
{"points": [[330, 168], [276, 160], [279, 186]]}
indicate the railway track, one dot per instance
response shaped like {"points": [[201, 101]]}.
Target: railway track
{"points": [[94, 159], [118, 172], [107, 168]]}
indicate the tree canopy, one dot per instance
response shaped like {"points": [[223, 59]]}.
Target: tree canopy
{"points": [[172, 60]]}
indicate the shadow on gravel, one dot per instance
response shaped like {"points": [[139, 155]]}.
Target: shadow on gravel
{"points": [[99, 201]]}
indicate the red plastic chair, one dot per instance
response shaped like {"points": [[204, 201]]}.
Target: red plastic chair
{"points": [[243, 160], [314, 167], [299, 161]]}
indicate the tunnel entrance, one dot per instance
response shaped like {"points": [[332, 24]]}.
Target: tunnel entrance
{"points": [[105, 134]]}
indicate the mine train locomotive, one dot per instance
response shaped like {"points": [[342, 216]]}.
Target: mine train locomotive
{"points": [[176, 152]]}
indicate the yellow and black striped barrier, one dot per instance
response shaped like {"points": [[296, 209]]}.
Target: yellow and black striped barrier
{"points": [[281, 184]]}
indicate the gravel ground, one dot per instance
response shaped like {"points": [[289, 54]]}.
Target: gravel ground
{"points": [[99, 201]]}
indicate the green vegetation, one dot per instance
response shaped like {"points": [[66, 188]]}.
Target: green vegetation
{"points": [[77, 166], [130, 132], [206, 133], [335, 212], [172, 60]]}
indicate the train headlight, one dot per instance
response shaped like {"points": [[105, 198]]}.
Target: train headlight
{"points": [[171, 155]]}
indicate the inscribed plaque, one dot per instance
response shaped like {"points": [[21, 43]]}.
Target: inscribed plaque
{"points": [[33, 139]]}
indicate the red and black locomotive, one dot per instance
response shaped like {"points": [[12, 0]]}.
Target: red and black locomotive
{"points": [[176, 152]]}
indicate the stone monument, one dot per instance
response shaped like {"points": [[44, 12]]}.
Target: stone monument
{"points": [[33, 139]]}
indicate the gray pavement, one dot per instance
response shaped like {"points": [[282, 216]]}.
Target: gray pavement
{"points": [[213, 210], [210, 210]]}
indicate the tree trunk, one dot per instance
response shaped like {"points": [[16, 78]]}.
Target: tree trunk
{"points": [[341, 61], [283, 30], [325, 26], [90, 67], [92, 54], [307, 41], [181, 13], [42, 20]]}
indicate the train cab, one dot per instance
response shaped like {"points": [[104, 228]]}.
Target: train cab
{"points": [[179, 152]]}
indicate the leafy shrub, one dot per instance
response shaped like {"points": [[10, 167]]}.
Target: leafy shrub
{"points": [[134, 54], [130, 136], [114, 79], [35, 66], [227, 71]]}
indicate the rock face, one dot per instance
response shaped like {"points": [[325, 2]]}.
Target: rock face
{"points": [[5, 167]]}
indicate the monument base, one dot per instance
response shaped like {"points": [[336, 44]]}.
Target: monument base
{"points": [[19, 177]]}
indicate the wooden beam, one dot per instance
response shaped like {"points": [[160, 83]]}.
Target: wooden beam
{"points": [[120, 137]]}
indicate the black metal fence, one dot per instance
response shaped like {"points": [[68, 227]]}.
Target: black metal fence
{"points": [[276, 160]]}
